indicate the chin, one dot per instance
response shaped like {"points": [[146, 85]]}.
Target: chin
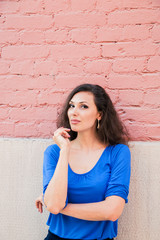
{"points": [[79, 129], [74, 128]]}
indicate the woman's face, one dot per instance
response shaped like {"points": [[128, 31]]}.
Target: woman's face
{"points": [[82, 112]]}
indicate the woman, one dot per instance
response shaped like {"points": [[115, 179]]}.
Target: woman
{"points": [[86, 173]]}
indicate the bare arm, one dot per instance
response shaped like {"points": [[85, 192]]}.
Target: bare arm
{"points": [[109, 209], [56, 192]]}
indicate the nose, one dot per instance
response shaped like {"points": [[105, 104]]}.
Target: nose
{"points": [[75, 111]]}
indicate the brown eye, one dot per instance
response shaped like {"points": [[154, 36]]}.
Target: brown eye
{"points": [[84, 106], [71, 105]]}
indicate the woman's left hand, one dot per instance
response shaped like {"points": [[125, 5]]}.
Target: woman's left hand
{"points": [[39, 203]]}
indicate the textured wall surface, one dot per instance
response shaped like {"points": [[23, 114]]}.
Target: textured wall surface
{"points": [[21, 182], [48, 47]]}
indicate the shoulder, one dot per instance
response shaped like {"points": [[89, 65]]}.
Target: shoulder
{"points": [[120, 153], [120, 148], [52, 150]]}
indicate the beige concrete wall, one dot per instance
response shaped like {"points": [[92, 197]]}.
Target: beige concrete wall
{"points": [[21, 182]]}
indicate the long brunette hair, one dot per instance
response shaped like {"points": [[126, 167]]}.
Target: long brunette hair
{"points": [[111, 129]]}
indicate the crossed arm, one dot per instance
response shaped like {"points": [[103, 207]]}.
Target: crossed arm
{"points": [[109, 209]]}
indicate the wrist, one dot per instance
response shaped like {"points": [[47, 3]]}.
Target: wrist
{"points": [[65, 149], [65, 146]]}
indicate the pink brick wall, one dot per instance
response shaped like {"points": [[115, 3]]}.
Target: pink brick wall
{"points": [[48, 47]]}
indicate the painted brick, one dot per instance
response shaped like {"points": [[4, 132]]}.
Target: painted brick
{"points": [[153, 132], [113, 95], [2, 21], [136, 32], [112, 50], [107, 34], [4, 82], [155, 3], [49, 98], [26, 82], [56, 36], [9, 7], [25, 129], [140, 48], [18, 98], [95, 79], [131, 97], [140, 131], [31, 7], [152, 97], [22, 67], [142, 115], [136, 16], [32, 37], [29, 114], [70, 66], [130, 32], [67, 81], [4, 67], [108, 6], [45, 67], [8, 37], [151, 81], [25, 52], [83, 35], [125, 81], [7, 128], [82, 5], [137, 4], [98, 66], [4, 113], [128, 65], [79, 20], [155, 31], [73, 51], [52, 6], [49, 47], [154, 64], [46, 129], [28, 22]]}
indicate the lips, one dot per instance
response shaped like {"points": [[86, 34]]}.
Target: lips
{"points": [[75, 121]]}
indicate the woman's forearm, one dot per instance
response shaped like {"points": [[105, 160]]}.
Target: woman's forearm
{"points": [[109, 209], [56, 192]]}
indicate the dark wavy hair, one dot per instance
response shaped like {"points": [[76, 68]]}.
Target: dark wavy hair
{"points": [[111, 129]]}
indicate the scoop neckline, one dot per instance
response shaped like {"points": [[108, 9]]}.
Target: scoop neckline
{"points": [[82, 174]]}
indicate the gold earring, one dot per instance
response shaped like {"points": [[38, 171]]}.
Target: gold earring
{"points": [[98, 124]]}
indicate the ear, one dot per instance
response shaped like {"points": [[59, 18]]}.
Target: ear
{"points": [[99, 115]]}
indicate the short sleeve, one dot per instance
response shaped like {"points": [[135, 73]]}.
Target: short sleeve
{"points": [[120, 172], [51, 156]]}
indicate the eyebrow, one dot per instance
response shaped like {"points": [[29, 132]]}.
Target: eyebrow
{"points": [[79, 102]]}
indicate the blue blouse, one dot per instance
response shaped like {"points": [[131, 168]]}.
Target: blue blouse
{"points": [[110, 176]]}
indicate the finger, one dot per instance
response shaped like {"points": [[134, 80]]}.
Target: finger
{"points": [[61, 130], [40, 208], [65, 134], [64, 128], [67, 129], [36, 203]]}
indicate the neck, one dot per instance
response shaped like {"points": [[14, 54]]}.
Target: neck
{"points": [[87, 140]]}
